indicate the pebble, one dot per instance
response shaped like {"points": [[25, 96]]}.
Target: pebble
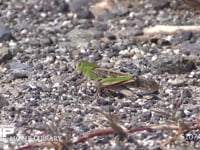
{"points": [[191, 48], [17, 65], [5, 55], [3, 102], [5, 33], [173, 64], [177, 82]]}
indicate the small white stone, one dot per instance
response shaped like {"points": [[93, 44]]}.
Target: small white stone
{"points": [[171, 106], [176, 51], [123, 52], [191, 75], [56, 85], [49, 59], [126, 124], [187, 112], [24, 31], [76, 109], [168, 91], [27, 40], [12, 44], [43, 15], [123, 21], [65, 23], [131, 14], [33, 86], [82, 50], [8, 14], [32, 99]]}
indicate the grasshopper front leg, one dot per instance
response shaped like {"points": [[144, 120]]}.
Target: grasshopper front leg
{"points": [[100, 88], [79, 82]]}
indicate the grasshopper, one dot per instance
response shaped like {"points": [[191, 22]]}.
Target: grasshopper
{"points": [[114, 80], [134, 81]]}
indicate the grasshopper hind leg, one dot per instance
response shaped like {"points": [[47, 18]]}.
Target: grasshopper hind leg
{"points": [[106, 92], [79, 82], [82, 86]]}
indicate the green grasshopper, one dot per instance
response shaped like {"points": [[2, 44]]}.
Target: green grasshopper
{"points": [[135, 81], [114, 80], [104, 76]]}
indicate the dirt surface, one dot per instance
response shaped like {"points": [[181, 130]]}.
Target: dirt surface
{"points": [[41, 42]]}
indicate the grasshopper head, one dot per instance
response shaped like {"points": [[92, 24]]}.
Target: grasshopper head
{"points": [[77, 64]]}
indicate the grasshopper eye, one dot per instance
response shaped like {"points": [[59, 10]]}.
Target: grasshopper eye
{"points": [[77, 64]]}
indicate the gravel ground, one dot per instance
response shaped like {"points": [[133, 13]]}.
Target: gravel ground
{"points": [[42, 40]]}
